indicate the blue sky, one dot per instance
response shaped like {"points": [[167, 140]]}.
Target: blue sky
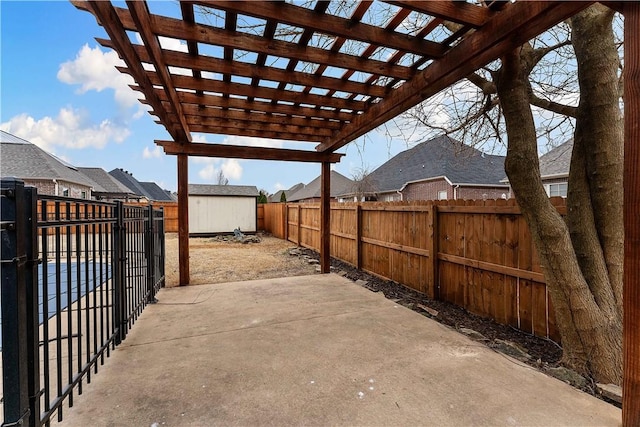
{"points": [[60, 90]]}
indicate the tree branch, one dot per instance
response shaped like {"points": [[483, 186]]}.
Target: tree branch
{"points": [[555, 107], [487, 87]]}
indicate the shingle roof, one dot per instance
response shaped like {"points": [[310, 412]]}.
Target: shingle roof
{"points": [[441, 156], [129, 181], [275, 197], [557, 161], [340, 184], [223, 190], [105, 183], [154, 192], [22, 159]]}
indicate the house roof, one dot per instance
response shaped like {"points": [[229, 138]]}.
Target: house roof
{"points": [[155, 192], [439, 157], [557, 161], [340, 184], [223, 190], [275, 197], [22, 159], [105, 183], [128, 180]]}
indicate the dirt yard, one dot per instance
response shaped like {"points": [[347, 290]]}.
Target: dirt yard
{"points": [[214, 261]]}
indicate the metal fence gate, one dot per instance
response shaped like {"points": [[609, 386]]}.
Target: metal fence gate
{"points": [[76, 274]]}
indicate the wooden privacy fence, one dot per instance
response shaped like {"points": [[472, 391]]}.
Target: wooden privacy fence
{"points": [[170, 214], [476, 254]]}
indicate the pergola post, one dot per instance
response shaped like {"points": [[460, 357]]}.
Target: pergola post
{"points": [[325, 217], [183, 218], [631, 294]]}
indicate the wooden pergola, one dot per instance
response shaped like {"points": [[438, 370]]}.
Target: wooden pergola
{"points": [[311, 72]]}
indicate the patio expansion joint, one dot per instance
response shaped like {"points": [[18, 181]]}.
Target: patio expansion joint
{"points": [[249, 327]]}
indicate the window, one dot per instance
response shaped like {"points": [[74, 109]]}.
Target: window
{"points": [[557, 190], [83, 194], [65, 192], [442, 195]]}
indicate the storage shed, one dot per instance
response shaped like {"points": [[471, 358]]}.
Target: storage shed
{"points": [[215, 209]]}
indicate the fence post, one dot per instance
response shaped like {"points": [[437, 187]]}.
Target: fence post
{"points": [[434, 289], [119, 274], [150, 254], [285, 216], [299, 223], [33, 319], [15, 258], [358, 236]]}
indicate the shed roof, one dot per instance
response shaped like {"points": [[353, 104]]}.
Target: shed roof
{"points": [[223, 190], [340, 184], [22, 159], [439, 157]]}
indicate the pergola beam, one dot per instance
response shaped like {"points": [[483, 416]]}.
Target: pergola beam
{"points": [[108, 18], [510, 28], [460, 12], [140, 14], [329, 24], [220, 66], [260, 106], [177, 29], [244, 152], [239, 89]]}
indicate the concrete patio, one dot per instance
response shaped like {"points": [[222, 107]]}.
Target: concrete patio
{"points": [[314, 350]]}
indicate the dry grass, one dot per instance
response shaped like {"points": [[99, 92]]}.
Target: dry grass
{"points": [[218, 262]]}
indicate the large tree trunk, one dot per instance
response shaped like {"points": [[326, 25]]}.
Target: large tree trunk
{"points": [[583, 283]]}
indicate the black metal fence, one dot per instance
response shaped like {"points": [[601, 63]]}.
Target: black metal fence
{"points": [[76, 274]]}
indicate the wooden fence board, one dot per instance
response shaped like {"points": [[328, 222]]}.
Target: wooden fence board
{"points": [[476, 254]]}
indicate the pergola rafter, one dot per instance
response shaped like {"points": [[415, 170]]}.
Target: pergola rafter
{"points": [[333, 77]]}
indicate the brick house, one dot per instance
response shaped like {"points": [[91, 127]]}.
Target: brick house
{"points": [[554, 170], [36, 167], [438, 169]]}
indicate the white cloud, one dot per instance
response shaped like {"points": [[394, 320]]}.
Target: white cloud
{"points": [[94, 69], [231, 168], [156, 152], [208, 172], [70, 129], [277, 187]]}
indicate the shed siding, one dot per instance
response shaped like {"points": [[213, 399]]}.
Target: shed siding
{"points": [[222, 214]]}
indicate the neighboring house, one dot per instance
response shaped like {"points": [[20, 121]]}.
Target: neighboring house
{"points": [[310, 192], [147, 191], [438, 169], [107, 188], [155, 193], [217, 209], [554, 170], [275, 197], [21, 159]]}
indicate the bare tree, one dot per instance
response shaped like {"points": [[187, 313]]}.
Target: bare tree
{"points": [[221, 179], [582, 253], [364, 186]]}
